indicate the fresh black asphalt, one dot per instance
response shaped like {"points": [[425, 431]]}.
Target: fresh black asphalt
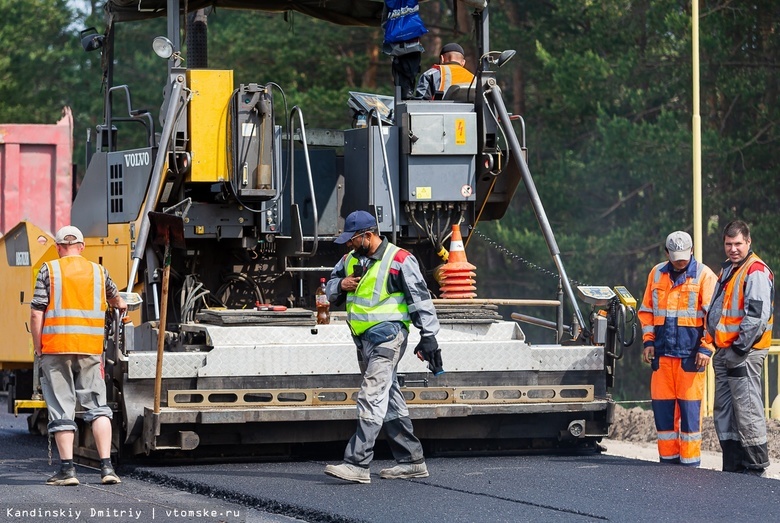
{"points": [[532, 488]]}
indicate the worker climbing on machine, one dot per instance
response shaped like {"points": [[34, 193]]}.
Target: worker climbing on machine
{"points": [[676, 299], [450, 71], [403, 29], [384, 292], [67, 320]]}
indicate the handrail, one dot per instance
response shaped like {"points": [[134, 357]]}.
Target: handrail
{"points": [[133, 115], [155, 184], [293, 111], [771, 404], [387, 167]]}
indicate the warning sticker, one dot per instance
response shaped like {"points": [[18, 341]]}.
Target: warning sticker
{"points": [[248, 130], [423, 193], [460, 131], [466, 191]]}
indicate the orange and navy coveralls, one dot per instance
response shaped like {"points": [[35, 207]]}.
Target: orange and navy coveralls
{"points": [[672, 318]]}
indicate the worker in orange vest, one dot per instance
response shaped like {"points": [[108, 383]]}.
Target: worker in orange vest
{"points": [[450, 71], [672, 316], [67, 322], [739, 324]]}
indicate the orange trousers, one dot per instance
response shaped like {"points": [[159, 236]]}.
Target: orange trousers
{"points": [[677, 396]]}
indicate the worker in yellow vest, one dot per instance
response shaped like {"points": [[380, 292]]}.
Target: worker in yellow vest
{"points": [[739, 324], [451, 70], [385, 293], [67, 322]]}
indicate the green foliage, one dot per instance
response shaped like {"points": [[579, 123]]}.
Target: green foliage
{"points": [[37, 66], [315, 73], [608, 107]]}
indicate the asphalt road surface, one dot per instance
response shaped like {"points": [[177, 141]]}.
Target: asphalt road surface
{"points": [[460, 489]]}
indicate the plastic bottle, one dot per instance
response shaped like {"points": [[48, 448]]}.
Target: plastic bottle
{"points": [[362, 121], [323, 305]]}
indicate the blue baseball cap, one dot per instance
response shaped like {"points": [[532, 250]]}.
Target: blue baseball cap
{"points": [[356, 221]]}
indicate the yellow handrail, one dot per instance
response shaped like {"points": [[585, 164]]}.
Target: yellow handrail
{"points": [[772, 360]]}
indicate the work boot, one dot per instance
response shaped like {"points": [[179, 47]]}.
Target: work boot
{"points": [[755, 472], [108, 476], [349, 472], [64, 478], [405, 470]]}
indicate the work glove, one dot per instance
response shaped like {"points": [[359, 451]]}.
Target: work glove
{"points": [[428, 351]]}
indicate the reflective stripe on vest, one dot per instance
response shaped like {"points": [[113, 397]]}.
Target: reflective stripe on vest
{"points": [[690, 315], [75, 317], [371, 304], [453, 75], [727, 330]]}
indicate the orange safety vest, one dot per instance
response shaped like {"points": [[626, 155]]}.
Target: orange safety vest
{"points": [[453, 74], [75, 317], [672, 316], [727, 330]]}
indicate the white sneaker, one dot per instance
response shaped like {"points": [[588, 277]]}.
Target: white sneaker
{"points": [[405, 470], [349, 472]]}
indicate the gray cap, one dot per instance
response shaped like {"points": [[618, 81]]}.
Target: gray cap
{"points": [[68, 230], [679, 245]]}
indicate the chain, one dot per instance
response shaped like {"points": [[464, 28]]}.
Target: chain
{"points": [[48, 434], [513, 256]]}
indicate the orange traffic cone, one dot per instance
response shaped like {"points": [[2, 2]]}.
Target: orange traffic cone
{"points": [[457, 275]]}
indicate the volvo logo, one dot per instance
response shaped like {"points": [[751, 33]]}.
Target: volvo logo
{"points": [[137, 159]]}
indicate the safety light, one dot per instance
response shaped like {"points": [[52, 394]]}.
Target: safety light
{"points": [[91, 40], [498, 58], [504, 57], [162, 47]]}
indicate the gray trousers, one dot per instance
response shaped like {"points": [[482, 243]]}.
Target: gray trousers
{"points": [[739, 409], [68, 380], [380, 401]]}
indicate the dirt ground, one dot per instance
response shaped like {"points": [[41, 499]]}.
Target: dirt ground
{"points": [[637, 425]]}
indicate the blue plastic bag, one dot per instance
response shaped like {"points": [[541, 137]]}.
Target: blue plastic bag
{"points": [[403, 21]]}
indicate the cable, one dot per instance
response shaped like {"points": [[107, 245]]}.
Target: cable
{"points": [[233, 151], [238, 277]]}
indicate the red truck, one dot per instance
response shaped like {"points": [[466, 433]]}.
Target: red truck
{"points": [[36, 173], [36, 191]]}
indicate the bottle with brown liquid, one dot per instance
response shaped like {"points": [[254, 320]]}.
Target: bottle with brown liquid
{"points": [[323, 305]]}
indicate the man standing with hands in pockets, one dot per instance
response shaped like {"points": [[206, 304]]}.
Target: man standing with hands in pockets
{"points": [[739, 324]]}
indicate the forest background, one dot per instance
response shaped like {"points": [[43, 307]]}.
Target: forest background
{"points": [[605, 89]]}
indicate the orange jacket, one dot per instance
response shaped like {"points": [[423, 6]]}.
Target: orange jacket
{"points": [[75, 317], [727, 329], [672, 312]]}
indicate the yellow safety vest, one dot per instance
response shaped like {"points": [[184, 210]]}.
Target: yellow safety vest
{"points": [[370, 303], [727, 330], [75, 317]]}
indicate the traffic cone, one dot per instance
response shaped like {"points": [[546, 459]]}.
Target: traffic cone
{"points": [[457, 275]]}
